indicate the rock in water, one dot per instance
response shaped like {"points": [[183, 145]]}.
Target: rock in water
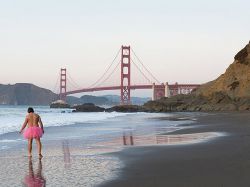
{"points": [[125, 108], [59, 104], [88, 107]]}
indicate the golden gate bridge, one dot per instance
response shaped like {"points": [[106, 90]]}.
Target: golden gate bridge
{"points": [[128, 61]]}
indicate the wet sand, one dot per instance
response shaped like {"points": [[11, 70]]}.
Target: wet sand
{"points": [[223, 161], [65, 163], [71, 158], [210, 150]]}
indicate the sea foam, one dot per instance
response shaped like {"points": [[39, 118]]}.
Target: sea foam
{"points": [[12, 117]]}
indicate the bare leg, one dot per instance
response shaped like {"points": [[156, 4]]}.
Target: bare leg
{"points": [[39, 147], [30, 147]]}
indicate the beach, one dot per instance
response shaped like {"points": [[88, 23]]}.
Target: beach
{"points": [[223, 161], [176, 149], [76, 146]]}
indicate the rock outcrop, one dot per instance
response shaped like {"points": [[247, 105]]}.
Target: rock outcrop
{"points": [[235, 82], [59, 104], [217, 102], [126, 108], [229, 92], [88, 107]]}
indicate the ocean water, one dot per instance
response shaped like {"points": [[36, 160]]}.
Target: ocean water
{"points": [[107, 131], [92, 127], [12, 117], [74, 143]]}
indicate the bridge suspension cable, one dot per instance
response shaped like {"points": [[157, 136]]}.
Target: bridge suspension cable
{"points": [[145, 67], [137, 67], [108, 75], [72, 82], [56, 87], [106, 71]]}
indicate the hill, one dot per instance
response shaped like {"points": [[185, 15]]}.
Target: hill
{"points": [[115, 99], [230, 91], [104, 100], [29, 94], [25, 94], [235, 82]]}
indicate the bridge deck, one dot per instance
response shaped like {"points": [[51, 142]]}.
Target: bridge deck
{"points": [[134, 87]]}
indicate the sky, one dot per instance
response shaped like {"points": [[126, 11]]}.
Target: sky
{"points": [[180, 41]]}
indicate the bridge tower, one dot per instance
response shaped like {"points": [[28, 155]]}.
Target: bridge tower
{"points": [[63, 84], [167, 90], [158, 91], [125, 75]]}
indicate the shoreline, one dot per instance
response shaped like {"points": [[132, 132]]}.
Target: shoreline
{"points": [[223, 161], [74, 157], [117, 122], [147, 164]]}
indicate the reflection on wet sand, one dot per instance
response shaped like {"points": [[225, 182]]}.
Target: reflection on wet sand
{"points": [[66, 153], [34, 179], [128, 139]]}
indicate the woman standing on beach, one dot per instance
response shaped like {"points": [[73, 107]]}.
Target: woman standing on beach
{"points": [[34, 130]]}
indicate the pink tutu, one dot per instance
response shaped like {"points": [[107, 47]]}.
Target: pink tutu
{"points": [[33, 132]]}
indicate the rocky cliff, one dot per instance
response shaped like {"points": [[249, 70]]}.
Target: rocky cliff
{"points": [[230, 91], [235, 82], [25, 94]]}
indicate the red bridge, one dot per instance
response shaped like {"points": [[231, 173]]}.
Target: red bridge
{"points": [[125, 84]]}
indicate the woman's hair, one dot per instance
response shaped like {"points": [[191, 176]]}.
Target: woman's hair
{"points": [[30, 110]]}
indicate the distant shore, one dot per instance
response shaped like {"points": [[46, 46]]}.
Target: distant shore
{"points": [[223, 161]]}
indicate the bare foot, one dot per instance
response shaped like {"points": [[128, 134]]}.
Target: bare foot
{"points": [[40, 156]]}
